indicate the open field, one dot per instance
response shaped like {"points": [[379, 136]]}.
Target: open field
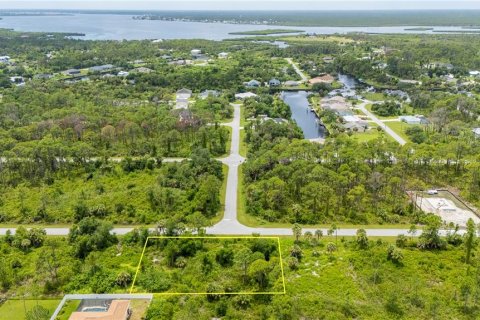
{"points": [[16, 309]]}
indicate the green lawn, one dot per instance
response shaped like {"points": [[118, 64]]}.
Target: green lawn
{"points": [[399, 128], [373, 96], [223, 192], [243, 145], [69, 307], [16, 309]]}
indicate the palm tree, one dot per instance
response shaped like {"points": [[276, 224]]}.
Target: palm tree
{"points": [[297, 231], [318, 234]]}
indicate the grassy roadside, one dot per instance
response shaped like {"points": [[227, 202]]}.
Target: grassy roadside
{"points": [[399, 128], [223, 192], [243, 145]]}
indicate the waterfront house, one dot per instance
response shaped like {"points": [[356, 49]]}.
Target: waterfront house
{"points": [[291, 83], [322, 79], [274, 83]]}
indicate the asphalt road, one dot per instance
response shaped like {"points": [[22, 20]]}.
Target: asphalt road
{"points": [[381, 124]]}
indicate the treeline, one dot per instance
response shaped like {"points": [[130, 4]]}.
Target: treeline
{"points": [[289, 180], [127, 191]]}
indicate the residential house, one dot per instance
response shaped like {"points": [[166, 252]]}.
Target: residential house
{"points": [[182, 97], [142, 70], [245, 95], [474, 73], [209, 93], [476, 132], [123, 73], [417, 119], [196, 53], [322, 79], [102, 68], [252, 84], [223, 55], [43, 76], [117, 310], [274, 83], [18, 80], [71, 72], [4, 59], [291, 83]]}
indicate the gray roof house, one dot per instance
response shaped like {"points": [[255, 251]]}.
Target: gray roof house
{"points": [[71, 72], [291, 83], [252, 84], [274, 83], [43, 76], [104, 67]]}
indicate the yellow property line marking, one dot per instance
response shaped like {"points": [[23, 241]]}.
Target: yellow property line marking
{"points": [[215, 293]]}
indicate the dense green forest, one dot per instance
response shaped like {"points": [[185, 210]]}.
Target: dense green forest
{"points": [[342, 277]]}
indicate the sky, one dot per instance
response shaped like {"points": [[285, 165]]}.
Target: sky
{"points": [[241, 4]]}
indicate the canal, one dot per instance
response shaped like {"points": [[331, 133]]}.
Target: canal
{"points": [[305, 119], [300, 107]]}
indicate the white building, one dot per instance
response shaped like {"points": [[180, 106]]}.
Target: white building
{"points": [[245, 95], [223, 55], [4, 59]]}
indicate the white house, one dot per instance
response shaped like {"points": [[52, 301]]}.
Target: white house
{"points": [[4, 59], [245, 95], [183, 95], [476, 132], [474, 73], [223, 55], [196, 53], [413, 119], [123, 73]]}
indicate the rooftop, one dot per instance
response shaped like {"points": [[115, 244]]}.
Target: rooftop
{"points": [[118, 310]]}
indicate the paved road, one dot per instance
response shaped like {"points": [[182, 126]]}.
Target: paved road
{"points": [[382, 125], [230, 224], [297, 70]]}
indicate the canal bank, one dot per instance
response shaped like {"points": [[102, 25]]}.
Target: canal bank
{"points": [[303, 115]]}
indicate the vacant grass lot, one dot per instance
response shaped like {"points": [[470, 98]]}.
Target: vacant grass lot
{"points": [[16, 309]]}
